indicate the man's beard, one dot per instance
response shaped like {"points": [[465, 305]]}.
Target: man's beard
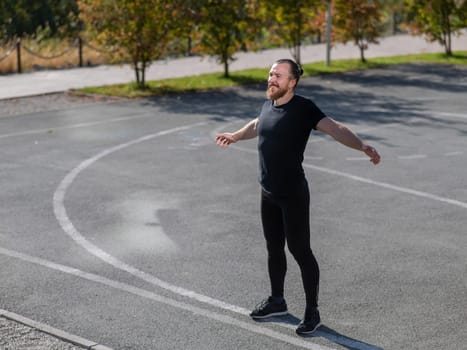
{"points": [[276, 94]]}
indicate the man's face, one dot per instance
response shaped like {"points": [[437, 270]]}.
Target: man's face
{"points": [[279, 82]]}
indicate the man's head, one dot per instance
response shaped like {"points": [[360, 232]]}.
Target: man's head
{"points": [[283, 78]]}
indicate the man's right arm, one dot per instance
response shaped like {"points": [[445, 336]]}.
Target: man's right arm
{"points": [[249, 131]]}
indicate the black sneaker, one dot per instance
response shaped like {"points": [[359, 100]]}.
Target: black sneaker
{"points": [[268, 308], [310, 323]]}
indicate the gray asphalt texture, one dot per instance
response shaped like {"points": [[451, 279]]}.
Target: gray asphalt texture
{"points": [[181, 216], [390, 239]]}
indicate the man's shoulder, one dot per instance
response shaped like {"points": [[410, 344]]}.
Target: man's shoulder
{"points": [[304, 103], [302, 99]]}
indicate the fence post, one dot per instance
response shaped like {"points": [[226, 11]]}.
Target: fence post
{"points": [[80, 51], [18, 56]]}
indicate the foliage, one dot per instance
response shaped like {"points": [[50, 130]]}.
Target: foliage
{"points": [[291, 21], [438, 19], [139, 29], [394, 13], [226, 27], [359, 21], [19, 18]]}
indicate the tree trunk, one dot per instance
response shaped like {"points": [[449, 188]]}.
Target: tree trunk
{"points": [[448, 45], [135, 63], [448, 39], [225, 61], [18, 56], [362, 52], [446, 30], [189, 46], [297, 53], [143, 74], [226, 69]]}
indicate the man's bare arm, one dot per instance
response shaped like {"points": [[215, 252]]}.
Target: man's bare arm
{"points": [[249, 131], [347, 137]]}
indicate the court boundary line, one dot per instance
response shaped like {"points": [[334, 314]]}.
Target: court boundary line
{"points": [[248, 326], [57, 333], [68, 227]]}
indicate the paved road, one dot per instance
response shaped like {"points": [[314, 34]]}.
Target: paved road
{"points": [[127, 226], [55, 81]]}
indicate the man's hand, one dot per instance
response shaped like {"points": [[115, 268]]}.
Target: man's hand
{"points": [[225, 139], [372, 153]]}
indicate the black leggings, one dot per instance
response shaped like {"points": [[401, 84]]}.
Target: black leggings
{"points": [[288, 219]]}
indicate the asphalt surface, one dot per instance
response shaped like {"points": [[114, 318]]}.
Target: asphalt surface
{"points": [[123, 223], [187, 212]]}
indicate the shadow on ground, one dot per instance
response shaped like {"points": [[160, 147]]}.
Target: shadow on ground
{"points": [[369, 105], [426, 76], [324, 332]]}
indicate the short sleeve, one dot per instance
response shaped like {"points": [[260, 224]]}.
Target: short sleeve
{"points": [[315, 114]]}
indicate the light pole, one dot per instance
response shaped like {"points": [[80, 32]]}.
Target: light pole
{"points": [[328, 34]]}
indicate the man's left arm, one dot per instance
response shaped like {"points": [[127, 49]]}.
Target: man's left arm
{"points": [[347, 137]]}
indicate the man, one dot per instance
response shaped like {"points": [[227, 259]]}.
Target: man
{"points": [[283, 128]]}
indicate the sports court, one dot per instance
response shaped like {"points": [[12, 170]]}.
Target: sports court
{"points": [[122, 222]]}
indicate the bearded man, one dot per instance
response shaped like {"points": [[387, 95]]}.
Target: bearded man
{"points": [[283, 128]]}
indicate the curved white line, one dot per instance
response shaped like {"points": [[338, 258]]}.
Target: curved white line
{"points": [[248, 326], [70, 230]]}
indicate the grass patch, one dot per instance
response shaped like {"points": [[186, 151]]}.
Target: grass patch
{"points": [[210, 81], [201, 82]]}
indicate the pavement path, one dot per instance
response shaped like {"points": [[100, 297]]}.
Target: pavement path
{"points": [[42, 82]]}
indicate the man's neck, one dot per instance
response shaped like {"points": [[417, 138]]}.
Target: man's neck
{"points": [[284, 99]]}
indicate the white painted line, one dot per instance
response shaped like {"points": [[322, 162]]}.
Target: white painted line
{"points": [[55, 332], [73, 126], [313, 158], [357, 158], [380, 184], [73, 233], [413, 156], [455, 115], [324, 137], [389, 186], [248, 326], [320, 138], [451, 154]]}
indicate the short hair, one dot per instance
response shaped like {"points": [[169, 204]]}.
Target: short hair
{"points": [[295, 69]]}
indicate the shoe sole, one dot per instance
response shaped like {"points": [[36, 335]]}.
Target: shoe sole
{"points": [[309, 332], [281, 313]]}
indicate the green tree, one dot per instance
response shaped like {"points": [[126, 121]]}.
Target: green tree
{"points": [[359, 21], [19, 18], [227, 27], [438, 19], [140, 29], [291, 21], [394, 12]]}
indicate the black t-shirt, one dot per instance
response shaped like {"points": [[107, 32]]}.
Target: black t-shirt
{"points": [[283, 133]]}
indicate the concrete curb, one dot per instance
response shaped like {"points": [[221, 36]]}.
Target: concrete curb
{"points": [[55, 332]]}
